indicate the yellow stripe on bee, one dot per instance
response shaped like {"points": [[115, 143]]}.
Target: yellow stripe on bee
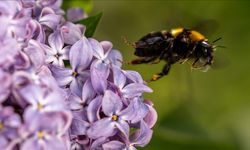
{"points": [[196, 36], [175, 32]]}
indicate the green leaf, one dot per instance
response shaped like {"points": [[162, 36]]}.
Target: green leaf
{"points": [[91, 24], [86, 5]]}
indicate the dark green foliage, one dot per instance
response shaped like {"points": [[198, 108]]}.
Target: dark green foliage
{"points": [[91, 24]]}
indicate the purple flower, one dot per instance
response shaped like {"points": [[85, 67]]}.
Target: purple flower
{"points": [[90, 103], [130, 90], [55, 54], [100, 68], [73, 33], [77, 103], [5, 80], [9, 124], [42, 133], [79, 72], [80, 123], [13, 20], [40, 101], [117, 117], [9, 50], [140, 138], [151, 118], [49, 18]]}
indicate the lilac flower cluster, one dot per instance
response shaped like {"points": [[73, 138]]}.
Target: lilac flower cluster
{"points": [[61, 90]]}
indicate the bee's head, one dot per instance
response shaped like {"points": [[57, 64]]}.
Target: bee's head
{"points": [[204, 51]]}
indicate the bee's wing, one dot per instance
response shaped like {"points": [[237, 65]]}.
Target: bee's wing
{"points": [[206, 26]]}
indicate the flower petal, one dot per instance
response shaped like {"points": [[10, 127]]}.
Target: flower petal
{"points": [[114, 145], [135, 111], [123, 127], [49, 18], [97, 48], [56, 41], [5, 80], [76, 87], [142, 136], [93, 109], [119, 77], [135, 89], [101, 128], [54, 143], [107, 46], [111, 103], [75, 102], [65, 52], [133, 76], [152, 116], [115, 57], [78, 127], [98, 142], [31, 143], [80, 54], [32, 94], [71, 33], [99, 73], [88, 92], [63, 76], [36, 53]]}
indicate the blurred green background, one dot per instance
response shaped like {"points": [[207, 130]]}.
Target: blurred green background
{"points": [[197, 111]]}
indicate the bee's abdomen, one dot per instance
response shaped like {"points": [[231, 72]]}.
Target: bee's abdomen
{"points": [[151, 45]]}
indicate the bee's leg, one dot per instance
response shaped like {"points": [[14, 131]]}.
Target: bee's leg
{"points": [[141, 60], [156, 61], [196, 60], [164, 72]]}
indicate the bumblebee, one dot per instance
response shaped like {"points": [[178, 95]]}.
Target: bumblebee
{"points": [[176, 45]]}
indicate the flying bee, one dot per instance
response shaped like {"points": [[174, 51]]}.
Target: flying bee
{"points": [[176, 45]]}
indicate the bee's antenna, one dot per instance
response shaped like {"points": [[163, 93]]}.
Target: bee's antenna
{"points": [[127, 42], [217, 40], [220, 46]]}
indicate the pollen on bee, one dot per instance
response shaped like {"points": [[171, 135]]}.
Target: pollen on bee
{"points": [[175, 32], [196, 36], [155, 77]]}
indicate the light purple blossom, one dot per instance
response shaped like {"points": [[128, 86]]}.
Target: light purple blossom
{"points": [[40, 101], [62, 90], [49, 18], [56, 53], [5, 80], [9, 124], [79, 72], [128, 90], [139, 138], [116, 116], [42, 133]]}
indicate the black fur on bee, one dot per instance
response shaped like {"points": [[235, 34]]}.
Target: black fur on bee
{"points": [[176, 45]]}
